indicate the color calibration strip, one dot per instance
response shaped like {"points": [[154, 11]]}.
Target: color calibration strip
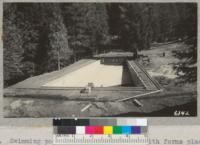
{"points": [[100, 126], [100, 131]]}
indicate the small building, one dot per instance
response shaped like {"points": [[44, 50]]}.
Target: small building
{"points": [[114, 58]]}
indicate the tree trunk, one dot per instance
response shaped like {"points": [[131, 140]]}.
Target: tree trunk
{"points": [[135, 53], [58, 60]]}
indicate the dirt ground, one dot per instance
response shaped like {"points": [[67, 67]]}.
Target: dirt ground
{"points": [[27, 107], [162, 65], [159, 67]]}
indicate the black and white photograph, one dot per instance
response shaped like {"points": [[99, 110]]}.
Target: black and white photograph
{"points": [[99, 59]]}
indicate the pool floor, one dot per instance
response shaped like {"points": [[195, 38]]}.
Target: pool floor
{"points": [[100, 75]]}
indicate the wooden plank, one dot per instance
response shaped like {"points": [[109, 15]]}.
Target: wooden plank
{"points": [[140, 95]]}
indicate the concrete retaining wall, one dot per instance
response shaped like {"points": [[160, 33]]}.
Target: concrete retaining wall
{"points": [[135, 78]]}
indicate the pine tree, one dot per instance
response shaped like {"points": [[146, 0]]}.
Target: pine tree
{"points": [[53, 51], [188, 56], [12, 51], [59, 51], [97, 27], [87, 25], [131, 31], [27, 21], [74, 18]]}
